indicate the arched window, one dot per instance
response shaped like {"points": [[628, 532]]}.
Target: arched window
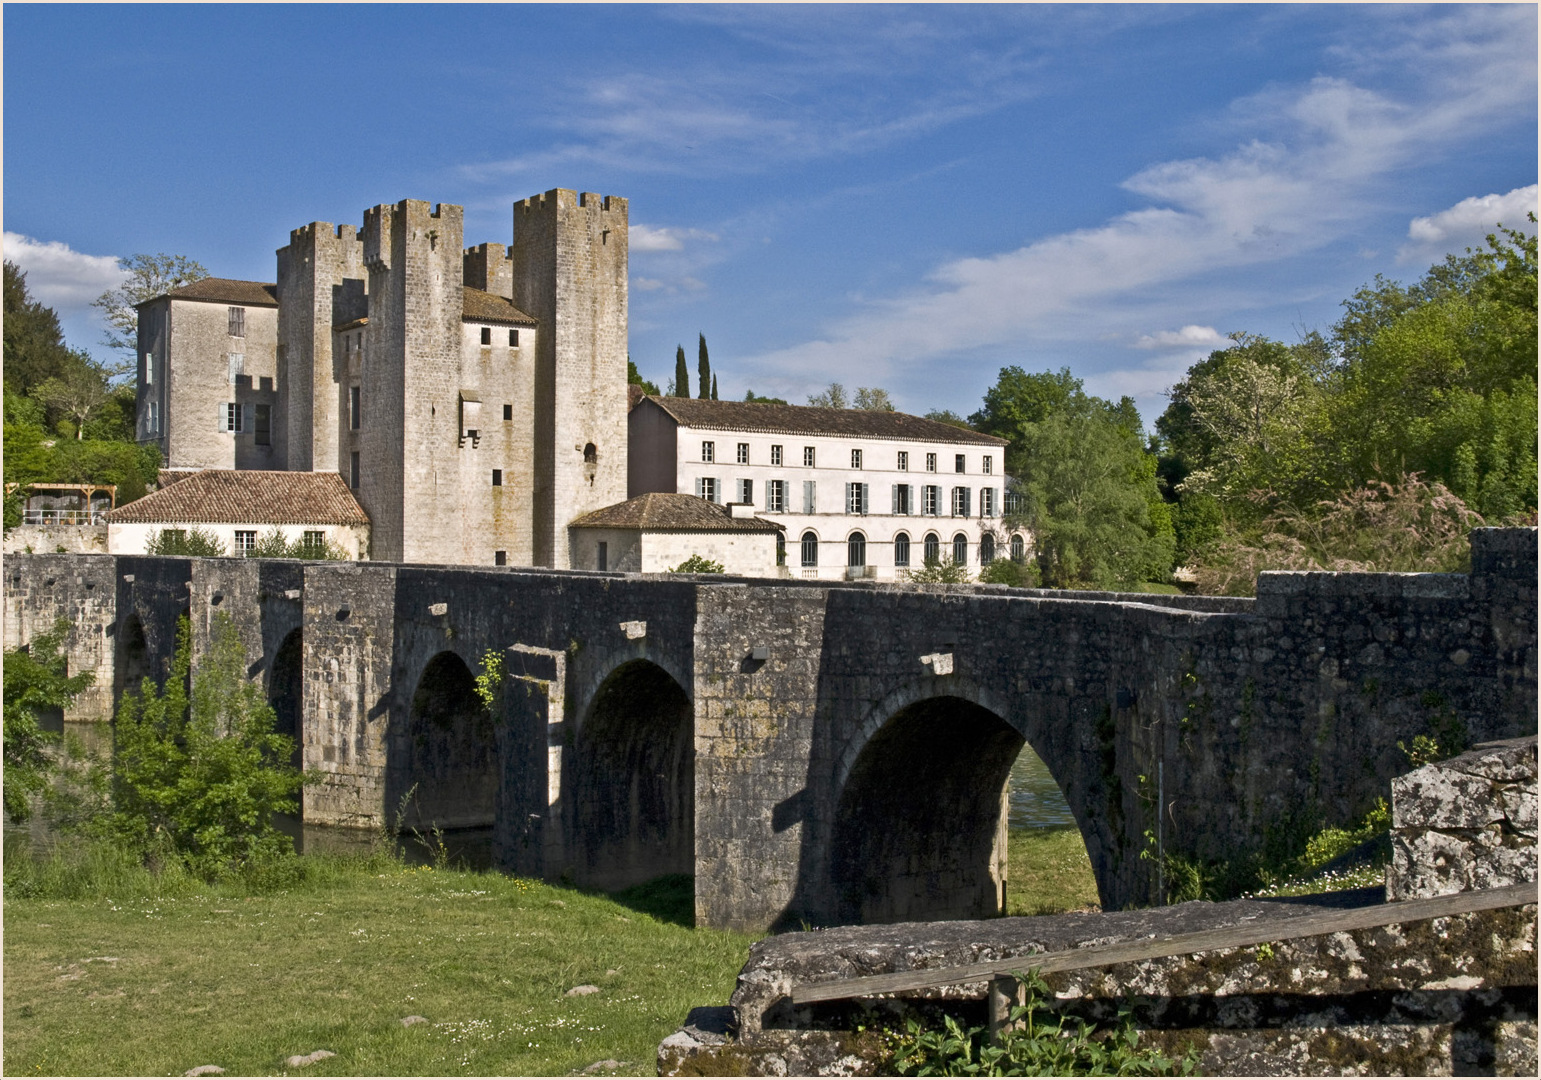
{"points": [[590, 454], [902, 549], [986, 549], [960, 549], [1018, 549], [856, 550], [810, 549], [933, 548]]}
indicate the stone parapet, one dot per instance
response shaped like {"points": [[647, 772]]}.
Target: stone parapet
{"points": [[1465, 823]]}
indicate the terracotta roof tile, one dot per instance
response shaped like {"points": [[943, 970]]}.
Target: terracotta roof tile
{"points": [[248, 495], [663, 511], [224, 291], [812, 420], [480, 306]]}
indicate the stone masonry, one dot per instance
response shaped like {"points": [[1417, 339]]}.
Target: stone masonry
{"points": [[822, 752]]}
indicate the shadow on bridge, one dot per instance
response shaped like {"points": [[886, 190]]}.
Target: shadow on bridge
{"points": [[632, 816], [452, 757]]}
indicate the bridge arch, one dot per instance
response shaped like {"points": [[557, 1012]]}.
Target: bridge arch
{"points": [[452, 753], [919, 830], [630, 794], [133, 659], [286, 686]]}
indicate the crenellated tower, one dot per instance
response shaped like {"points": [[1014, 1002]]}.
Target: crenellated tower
{"points": [[409, 467], [569, 270], [321, 282]]}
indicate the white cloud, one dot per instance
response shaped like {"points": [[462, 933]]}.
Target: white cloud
{"points": [[1465, 224], [1185, 338], [664, 238], [59, 276], [1310, 164]]}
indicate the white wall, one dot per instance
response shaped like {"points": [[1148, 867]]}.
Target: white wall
{"points": [[747, 554], [132, 538], [832, 471]]}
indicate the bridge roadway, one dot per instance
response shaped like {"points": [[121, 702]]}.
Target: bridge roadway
{"points": [[828, 753]]}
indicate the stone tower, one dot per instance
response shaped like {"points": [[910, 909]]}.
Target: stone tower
{"points": [[569, 259], [409, 467], [320, 283]]}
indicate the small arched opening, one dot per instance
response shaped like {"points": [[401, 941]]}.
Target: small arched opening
{"points": [[986, 549], [633, 781], [920, 832], [856, 551], [902, 550], [1018, 548], [960, 549], [286, 685], [133, 660], [933, 548], [452, 751]]}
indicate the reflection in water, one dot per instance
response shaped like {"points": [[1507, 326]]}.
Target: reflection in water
{"points": [[1035, 800]]}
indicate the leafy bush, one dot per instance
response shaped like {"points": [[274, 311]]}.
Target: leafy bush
{"points": [[1040, 1042], [1010, 572], [36, 679], [698, 564], [199, 775], [939, 572], [194, 541], [273, 545], [1407, 526]]}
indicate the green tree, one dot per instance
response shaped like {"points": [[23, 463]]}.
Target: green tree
{"points": [[704, 370], [193, 541], [77, 393], [34, 344], [947, 416], [831, 397], [681, 373], [714, 387], [873, 399], [698, 564], [934, 571], [634, 377], [1018, 399], [751, 396], [37, 681], [146, 277], [199, 774]]}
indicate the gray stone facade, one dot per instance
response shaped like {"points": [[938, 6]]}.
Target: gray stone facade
{"points": [[779, 723]]}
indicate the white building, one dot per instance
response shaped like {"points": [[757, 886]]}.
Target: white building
{"points": [[657, 532], [861, 494]]}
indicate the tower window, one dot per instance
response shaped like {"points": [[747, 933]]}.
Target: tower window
{"points": [[508, 412], [497, 477], [353, 470], [590, 454], [513, 339], [237, 322], [486, 335], [354, 410], [262, 433], [500, 558]]}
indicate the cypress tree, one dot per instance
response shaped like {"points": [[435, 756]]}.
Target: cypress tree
{"points": [[704, 369], [714, 387], [681, 373]]}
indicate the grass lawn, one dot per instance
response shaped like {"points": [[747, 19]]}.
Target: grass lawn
{"points": [[145, 978], [142, 986], [1048, 871]]}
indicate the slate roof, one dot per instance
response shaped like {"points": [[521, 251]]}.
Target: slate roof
{"points": [[812, 420], [225, 496], [224, 291], [667, 511], [480, 306]]}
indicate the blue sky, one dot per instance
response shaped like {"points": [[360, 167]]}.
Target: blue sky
{"points": [[905, 197]]}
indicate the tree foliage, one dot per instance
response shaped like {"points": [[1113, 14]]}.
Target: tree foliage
{"points": [[873, 399], [831, 397], [199, 771], [37, 680], [936, 571], [146, 277], [634, 377], [704, 370], [698, 564], [34, 343], [753, 398], [681, 373], [192, 541]]}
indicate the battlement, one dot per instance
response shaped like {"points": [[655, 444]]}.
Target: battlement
{"points": [[322, 233], [490, 267], [564, 198]]}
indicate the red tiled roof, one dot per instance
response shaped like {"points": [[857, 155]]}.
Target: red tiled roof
{"points": [[248, 495], [223, 291], [812, 420], [665, 511]]}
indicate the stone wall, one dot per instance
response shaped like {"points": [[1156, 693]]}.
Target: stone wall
{"points": [[57, 539], [1465, 823], [1427, 997]]}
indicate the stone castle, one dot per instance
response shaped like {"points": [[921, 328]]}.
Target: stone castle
{"points": [[474, 398]]}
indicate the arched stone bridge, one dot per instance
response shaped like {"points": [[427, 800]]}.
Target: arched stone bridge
{"points": [[825, 752]]}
